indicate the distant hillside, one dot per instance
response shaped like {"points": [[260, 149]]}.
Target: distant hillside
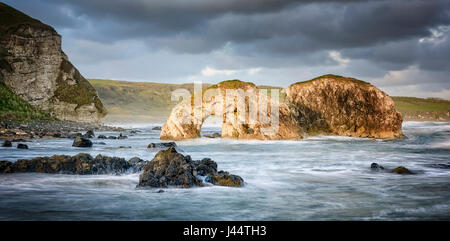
{"points": [[14, 108], [419, 109], [150, 102], [137, 101]]}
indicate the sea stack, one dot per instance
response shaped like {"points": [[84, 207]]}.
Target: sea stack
{"points": [[343, 106]]}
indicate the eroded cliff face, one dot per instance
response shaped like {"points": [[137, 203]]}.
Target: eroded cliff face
{"points": [[328, 105], [33, 65]]}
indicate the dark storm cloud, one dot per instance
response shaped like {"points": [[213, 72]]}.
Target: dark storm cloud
{"points": [[286, 27], [377, 36]]}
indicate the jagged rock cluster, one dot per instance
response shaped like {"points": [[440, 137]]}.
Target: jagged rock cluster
{"points": [[83, 164], [327, 105], [33, 66], [170, 168]]}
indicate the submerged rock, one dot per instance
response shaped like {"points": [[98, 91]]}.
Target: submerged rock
{"points": [[156, 128], [376, 166], [82, 142], [162, 145], [215, 135], [401, 170], [89, 134], [225, 179], [440, 165], [121, 137], [7, 143], [170, 168], [102, 137], [83, 164], [22, 146]]}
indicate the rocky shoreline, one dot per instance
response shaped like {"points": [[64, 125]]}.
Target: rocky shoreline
{"points": [[18, 131], [167, 169]]}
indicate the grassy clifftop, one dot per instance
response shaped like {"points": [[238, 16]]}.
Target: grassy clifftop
{"points": [[11, 19], [418, 109], [14, 108]]}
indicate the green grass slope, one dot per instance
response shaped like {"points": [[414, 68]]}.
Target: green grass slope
{"points": [[417, 109], [137, 101], [14, 108]]}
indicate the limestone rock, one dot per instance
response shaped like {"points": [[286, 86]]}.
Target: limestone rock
{"points": [[335, 105]]}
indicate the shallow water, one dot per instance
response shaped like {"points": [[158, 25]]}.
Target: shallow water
{"points": [[321, 178]]}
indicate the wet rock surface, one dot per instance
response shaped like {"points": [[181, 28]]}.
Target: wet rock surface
{"points": [[440, 165], [10, 130], [82, 164], [22, 146], [170, 168], [401, 170], [6, 143], [162, 145], [82, 142], [215, 135], [376, 166]]}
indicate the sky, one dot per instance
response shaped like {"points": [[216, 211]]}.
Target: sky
{"points": [[400, 46]]}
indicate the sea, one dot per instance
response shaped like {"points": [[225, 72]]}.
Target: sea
{"points": [[318, 178]]}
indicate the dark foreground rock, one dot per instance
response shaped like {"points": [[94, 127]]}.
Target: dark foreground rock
{"points": [[170, 168], [83, 164], [162, 145], [82, 142], [6, 143]]}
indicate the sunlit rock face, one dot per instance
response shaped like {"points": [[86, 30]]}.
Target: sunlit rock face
{"points": [[327, 105], [34, 67], [335, 105]]}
